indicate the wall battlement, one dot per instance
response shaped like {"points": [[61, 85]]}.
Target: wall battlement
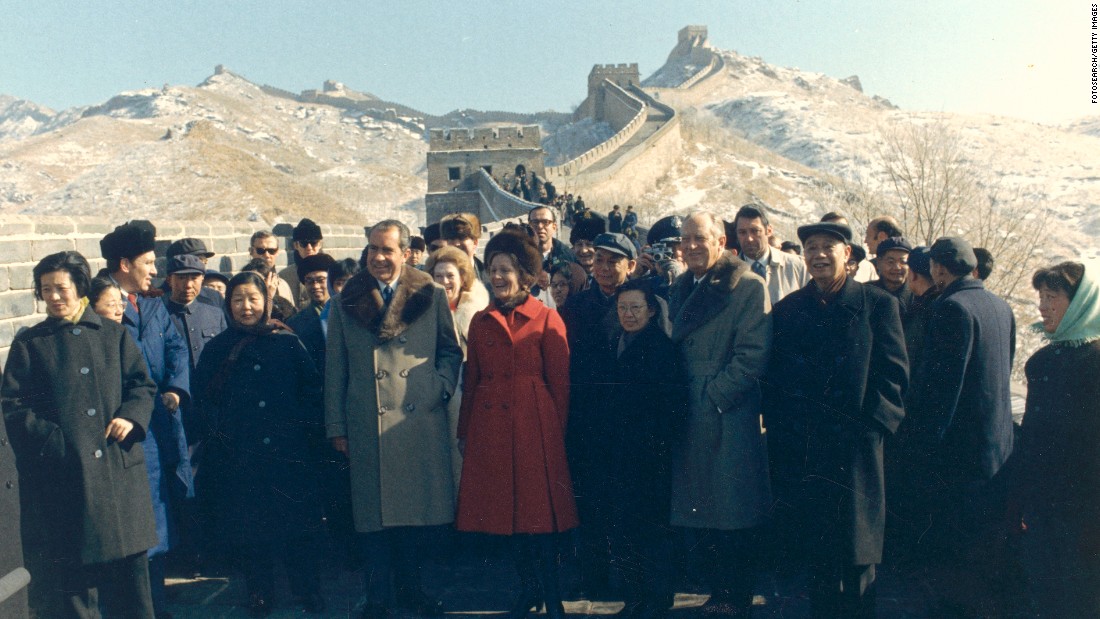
{"points": [[485, 138], [691, 34], [623, 74]]}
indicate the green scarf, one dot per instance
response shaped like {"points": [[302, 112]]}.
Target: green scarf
{"points": [[1081, 324]]}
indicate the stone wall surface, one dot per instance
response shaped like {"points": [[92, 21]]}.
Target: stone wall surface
{"points": [[603, 149], [24, 240]]}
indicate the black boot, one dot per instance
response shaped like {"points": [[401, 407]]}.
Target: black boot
{"points": [[530, 595], [548, 576]]}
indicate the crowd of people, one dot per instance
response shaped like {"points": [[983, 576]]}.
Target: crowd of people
{"points": [[703, 398]]}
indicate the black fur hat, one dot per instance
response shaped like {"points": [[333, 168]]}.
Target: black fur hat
{"points": [[132, 238], [519, 246], [587, 229]]}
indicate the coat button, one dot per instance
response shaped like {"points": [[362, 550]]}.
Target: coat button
{"points": [[691, 341], [504, 406], [489, 343], [403, 339], [262, 404], [98, 453], [9, 485], [84, 370], [487, 405], [380, 374], [489, 376], [410, 407], [90, 412], [255, 368], [382, 410], [1046, 378], [267, 441], [76, 331], [3, 441], [405, 373]]}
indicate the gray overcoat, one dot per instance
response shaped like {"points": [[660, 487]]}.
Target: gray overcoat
{"points": [[722, 329], [389, 373]]}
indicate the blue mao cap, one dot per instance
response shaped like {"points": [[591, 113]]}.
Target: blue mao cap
{"points": [[840, 231], [186, 264], [920, 261], [894, 242], [617, 244]]}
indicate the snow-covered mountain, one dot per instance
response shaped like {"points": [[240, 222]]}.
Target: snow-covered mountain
{"points": [[230, 149]]}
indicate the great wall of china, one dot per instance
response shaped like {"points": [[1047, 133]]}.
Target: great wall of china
{"points": [[647, 140]]}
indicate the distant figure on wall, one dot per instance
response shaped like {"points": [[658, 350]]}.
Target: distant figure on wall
{"points": [[615, 220]]}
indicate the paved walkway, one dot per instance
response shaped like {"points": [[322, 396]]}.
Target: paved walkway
{"points": [[474, 577]]}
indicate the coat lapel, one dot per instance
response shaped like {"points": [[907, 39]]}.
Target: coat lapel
{"points": [[708, 298], [362, 298]]}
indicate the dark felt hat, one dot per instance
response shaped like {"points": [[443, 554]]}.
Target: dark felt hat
{"points": [[132, 238], [192, 246], [895, 242], [587, 229], [218, 275], [840, 231], [616, 243], [316, 262], [955, 254], [307, 230], [920, 261], [186, 264], [858, 253], [666, 230], [514, 242]]}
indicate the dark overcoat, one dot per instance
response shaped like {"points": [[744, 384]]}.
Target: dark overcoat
{"points": [[11, 544], [168, 461], [833, 389], [722, 331], [259, 399], [515, 403], [1057, 464], [961, 406], [84, 498], [306, 324], [645, 408]]}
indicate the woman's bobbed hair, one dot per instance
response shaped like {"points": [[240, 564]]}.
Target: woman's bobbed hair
{"points": [[70, 262]]}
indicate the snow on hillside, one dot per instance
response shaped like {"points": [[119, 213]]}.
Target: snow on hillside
{"points": [[223, 150]]}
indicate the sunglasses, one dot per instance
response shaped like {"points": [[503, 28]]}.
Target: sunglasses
{"points": [[309, 243], [271, 251]]}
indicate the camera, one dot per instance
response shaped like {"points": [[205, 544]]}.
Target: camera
{"points": [[659, 251]]}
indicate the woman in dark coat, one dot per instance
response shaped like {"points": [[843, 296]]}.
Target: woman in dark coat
{"points": [[645, 408], [515, 480], [76, 401], [259, 399], [1057, 461]]}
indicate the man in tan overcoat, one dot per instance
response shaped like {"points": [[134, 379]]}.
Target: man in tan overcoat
{"points": [[392, 362], [721, 325]]}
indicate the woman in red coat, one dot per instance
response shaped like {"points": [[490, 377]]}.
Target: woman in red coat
{"points": [[511, 429]]}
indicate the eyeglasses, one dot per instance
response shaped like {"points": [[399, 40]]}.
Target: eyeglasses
{"points": [[541, 222], [635, 310], [271, 251], [309, 243], [315, 281]]}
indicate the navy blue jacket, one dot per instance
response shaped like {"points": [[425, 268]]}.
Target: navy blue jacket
{"points": [[306, 324], [961, 407], [166, 454]]}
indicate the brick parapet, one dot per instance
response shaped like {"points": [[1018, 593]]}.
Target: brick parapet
{"points": [[24, 240]]}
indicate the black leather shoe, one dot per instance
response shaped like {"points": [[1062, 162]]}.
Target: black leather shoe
{"points": [[313, 603], [258, 606], [528, 600]]}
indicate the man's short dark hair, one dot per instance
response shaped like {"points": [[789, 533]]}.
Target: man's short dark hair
{"points": [[553, 212], [342, 268], [833, 216], [404, 236], [750, 211]]}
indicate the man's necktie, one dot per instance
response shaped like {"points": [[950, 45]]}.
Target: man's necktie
{"points": [[758, 268], [387, 294], [133, 301]]}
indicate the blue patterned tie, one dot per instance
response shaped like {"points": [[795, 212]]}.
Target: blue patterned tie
{"points": [[387, 294], [758, 268]]}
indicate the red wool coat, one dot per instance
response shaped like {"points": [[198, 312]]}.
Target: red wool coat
{"points": [[514, 406]]}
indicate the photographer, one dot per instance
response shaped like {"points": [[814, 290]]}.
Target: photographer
{"points": [[661, 260]]}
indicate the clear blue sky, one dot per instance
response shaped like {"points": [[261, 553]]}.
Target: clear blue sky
{"points": [[1023, 58]]}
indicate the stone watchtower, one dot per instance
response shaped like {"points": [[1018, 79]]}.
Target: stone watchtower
{"points": [[623, 75], [454, 154]]}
